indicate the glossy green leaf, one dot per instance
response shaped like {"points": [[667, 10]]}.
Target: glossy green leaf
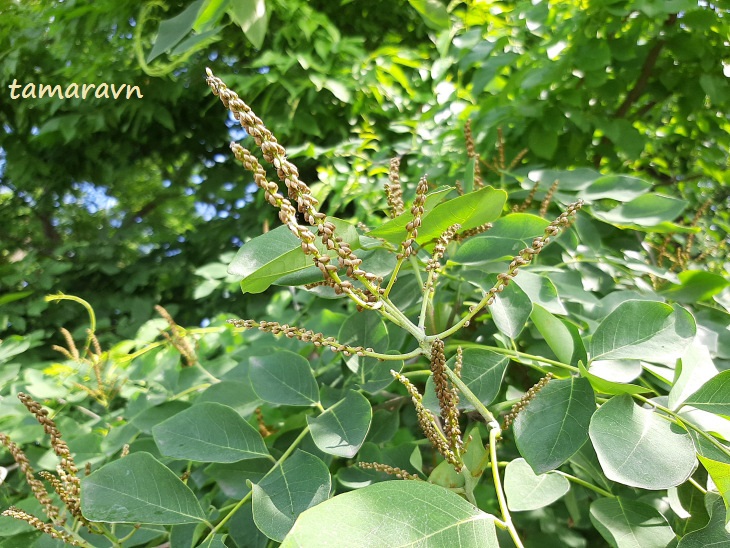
{"points": [[252, 17], [645, 211], [11, 297], [277, 253], [173, 30], [433, 12], [209, 432], [575, 179], [695, 368], [510, 310], [138, 489], [366, 329], [603, 386], [470, 211], [647, 330], [714, 395], [238, 395], [615, 187], [210, 14], [542, 141], [555, 423], [688, 503], [151, 416], [562, 336], [283, 378], [636, 447], [395, 513], [714, 534], [376, 376], [527, 491], [508, 236], [695, 286], [541, 290], [627, 523], [394, 230], [720, 474], [342, 428], [231, 478], [300, 482], [618, 371]]}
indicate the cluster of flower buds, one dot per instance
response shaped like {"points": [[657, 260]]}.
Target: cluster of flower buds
{"points": [[304, 335], [548, 198], [472, 153], [520, 406], [390, 470], [447, 396], [177, 339], [275, 154], [415, 223], [427, 422], [524, 257], [66, 483], [394, 190], [67, 470], [472, 232]]}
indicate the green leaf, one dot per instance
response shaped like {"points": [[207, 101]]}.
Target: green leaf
{"points": [[210, 14], [543, 142], [365, 329], [617, 371], [603, 386], [11, 297], [300, 482], [712, 534], [342, 428], [173, 30], [555, 423], [714, 395], [695, 368], [575, 179], [541, 290], [508, 236], [511, 309], [433, 13], [470, 211], [277, 253], [696, 286], [394, 230], [138, 489], [527, 491], [395, 513], [645, 211], [216, 541], [283, 378], [638, 448], [720, 474], [647, 330], [238, 395], [562, 336], [252, 17], [615, 187], [482, 371], [209, 432], [627, 523]]}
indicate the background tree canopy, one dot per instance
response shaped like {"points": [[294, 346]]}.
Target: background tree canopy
{"points": [[124, 201]]}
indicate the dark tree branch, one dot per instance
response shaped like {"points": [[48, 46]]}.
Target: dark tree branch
{"points": [[638, 89]]}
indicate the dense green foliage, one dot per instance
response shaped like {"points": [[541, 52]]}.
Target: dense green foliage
{"points": [[618, 106]]}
